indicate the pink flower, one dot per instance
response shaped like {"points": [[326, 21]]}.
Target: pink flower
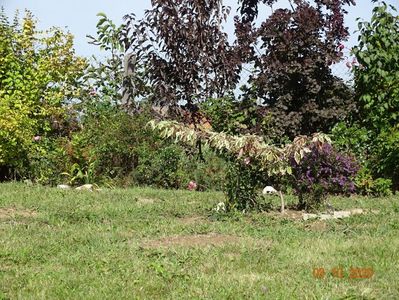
{"points": [[349, 64], [192, 185], [37, 138], [247, 161], [341, 47]]}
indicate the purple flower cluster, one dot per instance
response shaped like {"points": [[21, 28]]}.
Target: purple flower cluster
{"points": [[325, 169]]}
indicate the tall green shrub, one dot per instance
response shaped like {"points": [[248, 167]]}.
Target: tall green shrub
{"points": [[377, 74], [39, 74], [377, 90]]}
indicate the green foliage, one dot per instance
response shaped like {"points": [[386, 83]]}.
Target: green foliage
{"points": [[352, 139], [233, 117], [160, 168], [243, 182], [386, 158], [80, 175], [366, 185], [378, 157], [104, 80], [39, 74], [106, 145], [172, 166], [382, 187], [108, 80], [114, 147], [47, 160], [377, 76], [373, 135]]}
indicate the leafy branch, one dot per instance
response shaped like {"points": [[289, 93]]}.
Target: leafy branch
{"points": [[272, 159]]}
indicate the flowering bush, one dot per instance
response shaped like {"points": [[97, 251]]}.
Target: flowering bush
{"points": [[323, 171], [39, 74]]}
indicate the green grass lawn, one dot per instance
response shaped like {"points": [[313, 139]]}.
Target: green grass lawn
{"points": [[152, 244]]}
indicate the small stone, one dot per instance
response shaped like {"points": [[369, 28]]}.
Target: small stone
{"points": [[63, 186], [356, 211], [309, 216], [85, 187], [341, 214], [326, 216]]}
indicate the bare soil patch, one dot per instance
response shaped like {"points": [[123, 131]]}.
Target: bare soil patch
{"points": [[291, 214], [11, 213]]}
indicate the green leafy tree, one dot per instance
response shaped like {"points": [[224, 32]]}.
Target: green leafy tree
{"points": [[39, 75], [377, 87], [104, 76], [374, 131], [377, 75], [231, 116]]}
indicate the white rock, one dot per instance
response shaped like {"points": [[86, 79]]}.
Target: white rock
{"points": [[341, 214], [63, 186], [85, 187], [269, 190], [336, 215], [357, 211], [325, 216]]}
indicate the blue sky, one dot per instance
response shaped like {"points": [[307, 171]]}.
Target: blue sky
{"points": [[79, 16]]}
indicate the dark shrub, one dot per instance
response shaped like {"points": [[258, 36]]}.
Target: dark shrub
{"points": [[323, 171]]}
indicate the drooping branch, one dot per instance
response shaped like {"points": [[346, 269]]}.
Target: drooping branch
{"points": [[273, 160]]}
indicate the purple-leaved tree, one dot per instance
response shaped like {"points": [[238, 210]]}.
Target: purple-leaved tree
{"points": [[185, 52], [292, 51]]}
